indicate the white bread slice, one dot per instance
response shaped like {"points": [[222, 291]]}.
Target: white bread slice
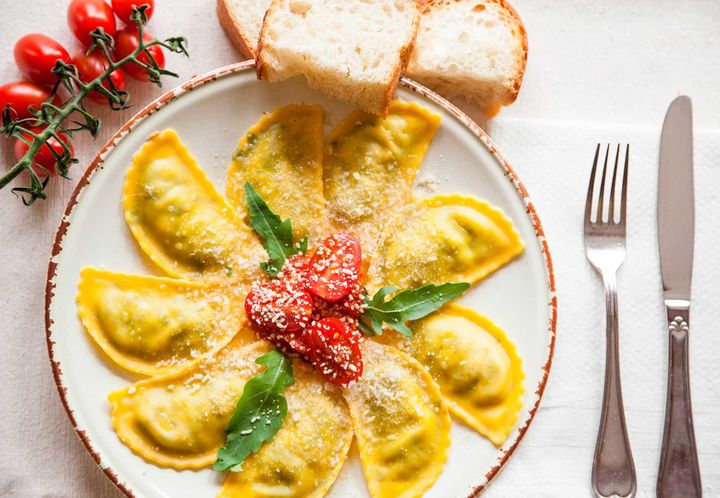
{"points": [[242, 20], [353, 50], [472, 49]]}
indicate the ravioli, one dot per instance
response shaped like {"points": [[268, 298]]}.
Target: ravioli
{"points": [[153, 325], [401, 423], [281, 156], [178, 420], [180, 220], [305, 456], [474, 363], [449, 238], [370, 164]]}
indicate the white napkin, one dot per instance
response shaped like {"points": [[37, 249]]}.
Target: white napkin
{"points": [[554, 160]]}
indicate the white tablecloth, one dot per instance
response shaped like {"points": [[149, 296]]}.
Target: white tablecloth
{"points": [[612, 61]]}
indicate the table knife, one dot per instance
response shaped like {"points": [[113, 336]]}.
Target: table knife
{"points": [[679, 472]]}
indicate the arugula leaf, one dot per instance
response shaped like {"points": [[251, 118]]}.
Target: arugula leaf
{"points": [[259, 413], [406, 305], [275, 233]]}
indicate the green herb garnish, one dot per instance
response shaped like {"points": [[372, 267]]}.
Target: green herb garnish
{"points": [[406, 305], [259, 413], [275, 233]]}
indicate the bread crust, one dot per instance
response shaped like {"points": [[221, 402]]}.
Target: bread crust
{"points": [[405, 53], [522, 54], [227, 21], [260, 64]]}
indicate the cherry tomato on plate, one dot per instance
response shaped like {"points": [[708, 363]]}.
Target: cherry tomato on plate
{"points": [[21, 95], [123, 9], [277, 307], [44, 157], [335, 267], [85, 16], [126, 42], [90, 66], [36, 54], [334, 350]]}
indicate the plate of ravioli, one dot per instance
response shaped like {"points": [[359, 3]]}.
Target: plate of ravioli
{"points": [[259, 291]]}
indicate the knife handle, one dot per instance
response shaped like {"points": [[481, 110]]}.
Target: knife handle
{"points": [[679, 473]]}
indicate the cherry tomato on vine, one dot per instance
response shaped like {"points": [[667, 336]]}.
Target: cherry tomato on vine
{"points": [[126, 42], [335, 267], [85, 16], [21, 95], [36, 54], [123, 9], [90, 66], [44, 157]]}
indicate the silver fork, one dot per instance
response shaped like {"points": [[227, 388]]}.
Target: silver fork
{"points": [[613, 471]]}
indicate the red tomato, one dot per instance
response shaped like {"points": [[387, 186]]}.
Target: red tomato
{"points": [[85, 16], [123, 9], [21, 95], [350, 306], [91, 66], [277, 307], [36, 54], [335, 267], [333, 349], [295, 272], [126, 42], [44, 157]]}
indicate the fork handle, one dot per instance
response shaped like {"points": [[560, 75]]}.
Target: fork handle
{"points": [[679, 474], [613, 472]]}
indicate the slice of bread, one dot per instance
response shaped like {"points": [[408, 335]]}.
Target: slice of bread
{"points": [[242, 20], [472, 49], [353, 50]]}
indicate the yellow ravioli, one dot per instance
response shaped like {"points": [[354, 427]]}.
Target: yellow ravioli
{"points": [[370, 164], [449, 238], [305, 456], [153, 325], [401, 423], [178, 420], [474, 363], [180, 220], [281, 156]]}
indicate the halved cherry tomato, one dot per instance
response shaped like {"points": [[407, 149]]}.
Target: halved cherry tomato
{"points": [[85, 16], [123, 9], [350, 306], [44, 157], [126, 42], [334, 350], [21, 95], [295, 272], [335, 267], [90, 66], [36, 54], [277, 307]]}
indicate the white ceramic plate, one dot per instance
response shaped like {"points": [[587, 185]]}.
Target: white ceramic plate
{"points": [[210, 113]]}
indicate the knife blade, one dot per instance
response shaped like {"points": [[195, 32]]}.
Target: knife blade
{"points": [[676, 203], [679, 472]]}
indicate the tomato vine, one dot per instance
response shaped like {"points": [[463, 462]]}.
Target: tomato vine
{"points": [[60, 121]]}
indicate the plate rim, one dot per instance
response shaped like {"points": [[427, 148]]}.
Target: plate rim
{"points": [[229, 70]]}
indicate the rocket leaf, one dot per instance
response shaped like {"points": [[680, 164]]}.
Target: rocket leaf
{"points": [[259, 413], [406, 305]]}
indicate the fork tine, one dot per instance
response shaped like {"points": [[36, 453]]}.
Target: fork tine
{"points": [[601, 200], [591, 186], [611, 207], [623, 200]]}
